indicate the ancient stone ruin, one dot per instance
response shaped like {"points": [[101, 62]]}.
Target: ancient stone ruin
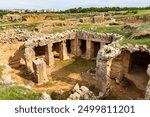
{"points": [[128, 62], [113, 61], [63, 46]]}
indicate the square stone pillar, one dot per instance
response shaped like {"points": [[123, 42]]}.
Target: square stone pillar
{"points": [[92, 49], [79, 51], [102, 44], [40, 71], [49, 55], [89, 49], [63, 51], [73, 46], [29, 57]]}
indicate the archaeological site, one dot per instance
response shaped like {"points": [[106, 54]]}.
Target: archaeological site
{"points": [[75, 56]]}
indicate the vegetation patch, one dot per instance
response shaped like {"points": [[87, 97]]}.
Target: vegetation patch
{"points": [[143, 41], [102, 29], [141, 34], [12, 92], [28, 26], [77, 65], [142, 31]]}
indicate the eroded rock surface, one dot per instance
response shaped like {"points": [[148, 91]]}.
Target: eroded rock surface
{"points": [[81, 93], [40, 71]]}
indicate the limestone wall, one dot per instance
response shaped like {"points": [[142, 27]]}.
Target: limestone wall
{"points": [[93, 19], [14, 35], [115, 63], [42, 39]]}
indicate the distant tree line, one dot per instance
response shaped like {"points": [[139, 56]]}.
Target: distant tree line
{"points": [[5, 13], [104, 9], [83, 10]]}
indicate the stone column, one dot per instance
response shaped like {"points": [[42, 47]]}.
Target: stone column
{"points": [[88, 49], [63, 51], [40, 71], [73, 47], [29, 57], [102, 44], [79, 51], [92, 49], [147, 92], [49, 55], [102, 78]]}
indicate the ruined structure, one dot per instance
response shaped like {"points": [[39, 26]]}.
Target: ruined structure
{"points": [[93, 19], [15, 35], [112, 62], [123, 62], [65, 45]]}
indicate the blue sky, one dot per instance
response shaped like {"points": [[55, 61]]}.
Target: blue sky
{"points": [[66, 4]]}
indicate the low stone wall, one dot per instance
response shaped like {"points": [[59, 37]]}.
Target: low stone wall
{"points": [[13, 35]]}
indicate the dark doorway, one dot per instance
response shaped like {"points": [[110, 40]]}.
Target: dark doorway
{"points": [[68, 45], [139, 61], [137, 72], [56, 49], [83, 47], [40, 50], [96, 48]]}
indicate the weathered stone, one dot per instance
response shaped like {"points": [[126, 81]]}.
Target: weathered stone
{"points": [[40, 71], [147, 93], [49, 55], [101, 75], [5, 72], [81, 93], [74, 96], [89, 49], [14, 35], [98, 19], [84, 89], [29, 57], [25, 86], [63, 51], [86, 97], [79, 52], [45, 96], [121, 67], [73, 46], [148, 70], [76, 87]]}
